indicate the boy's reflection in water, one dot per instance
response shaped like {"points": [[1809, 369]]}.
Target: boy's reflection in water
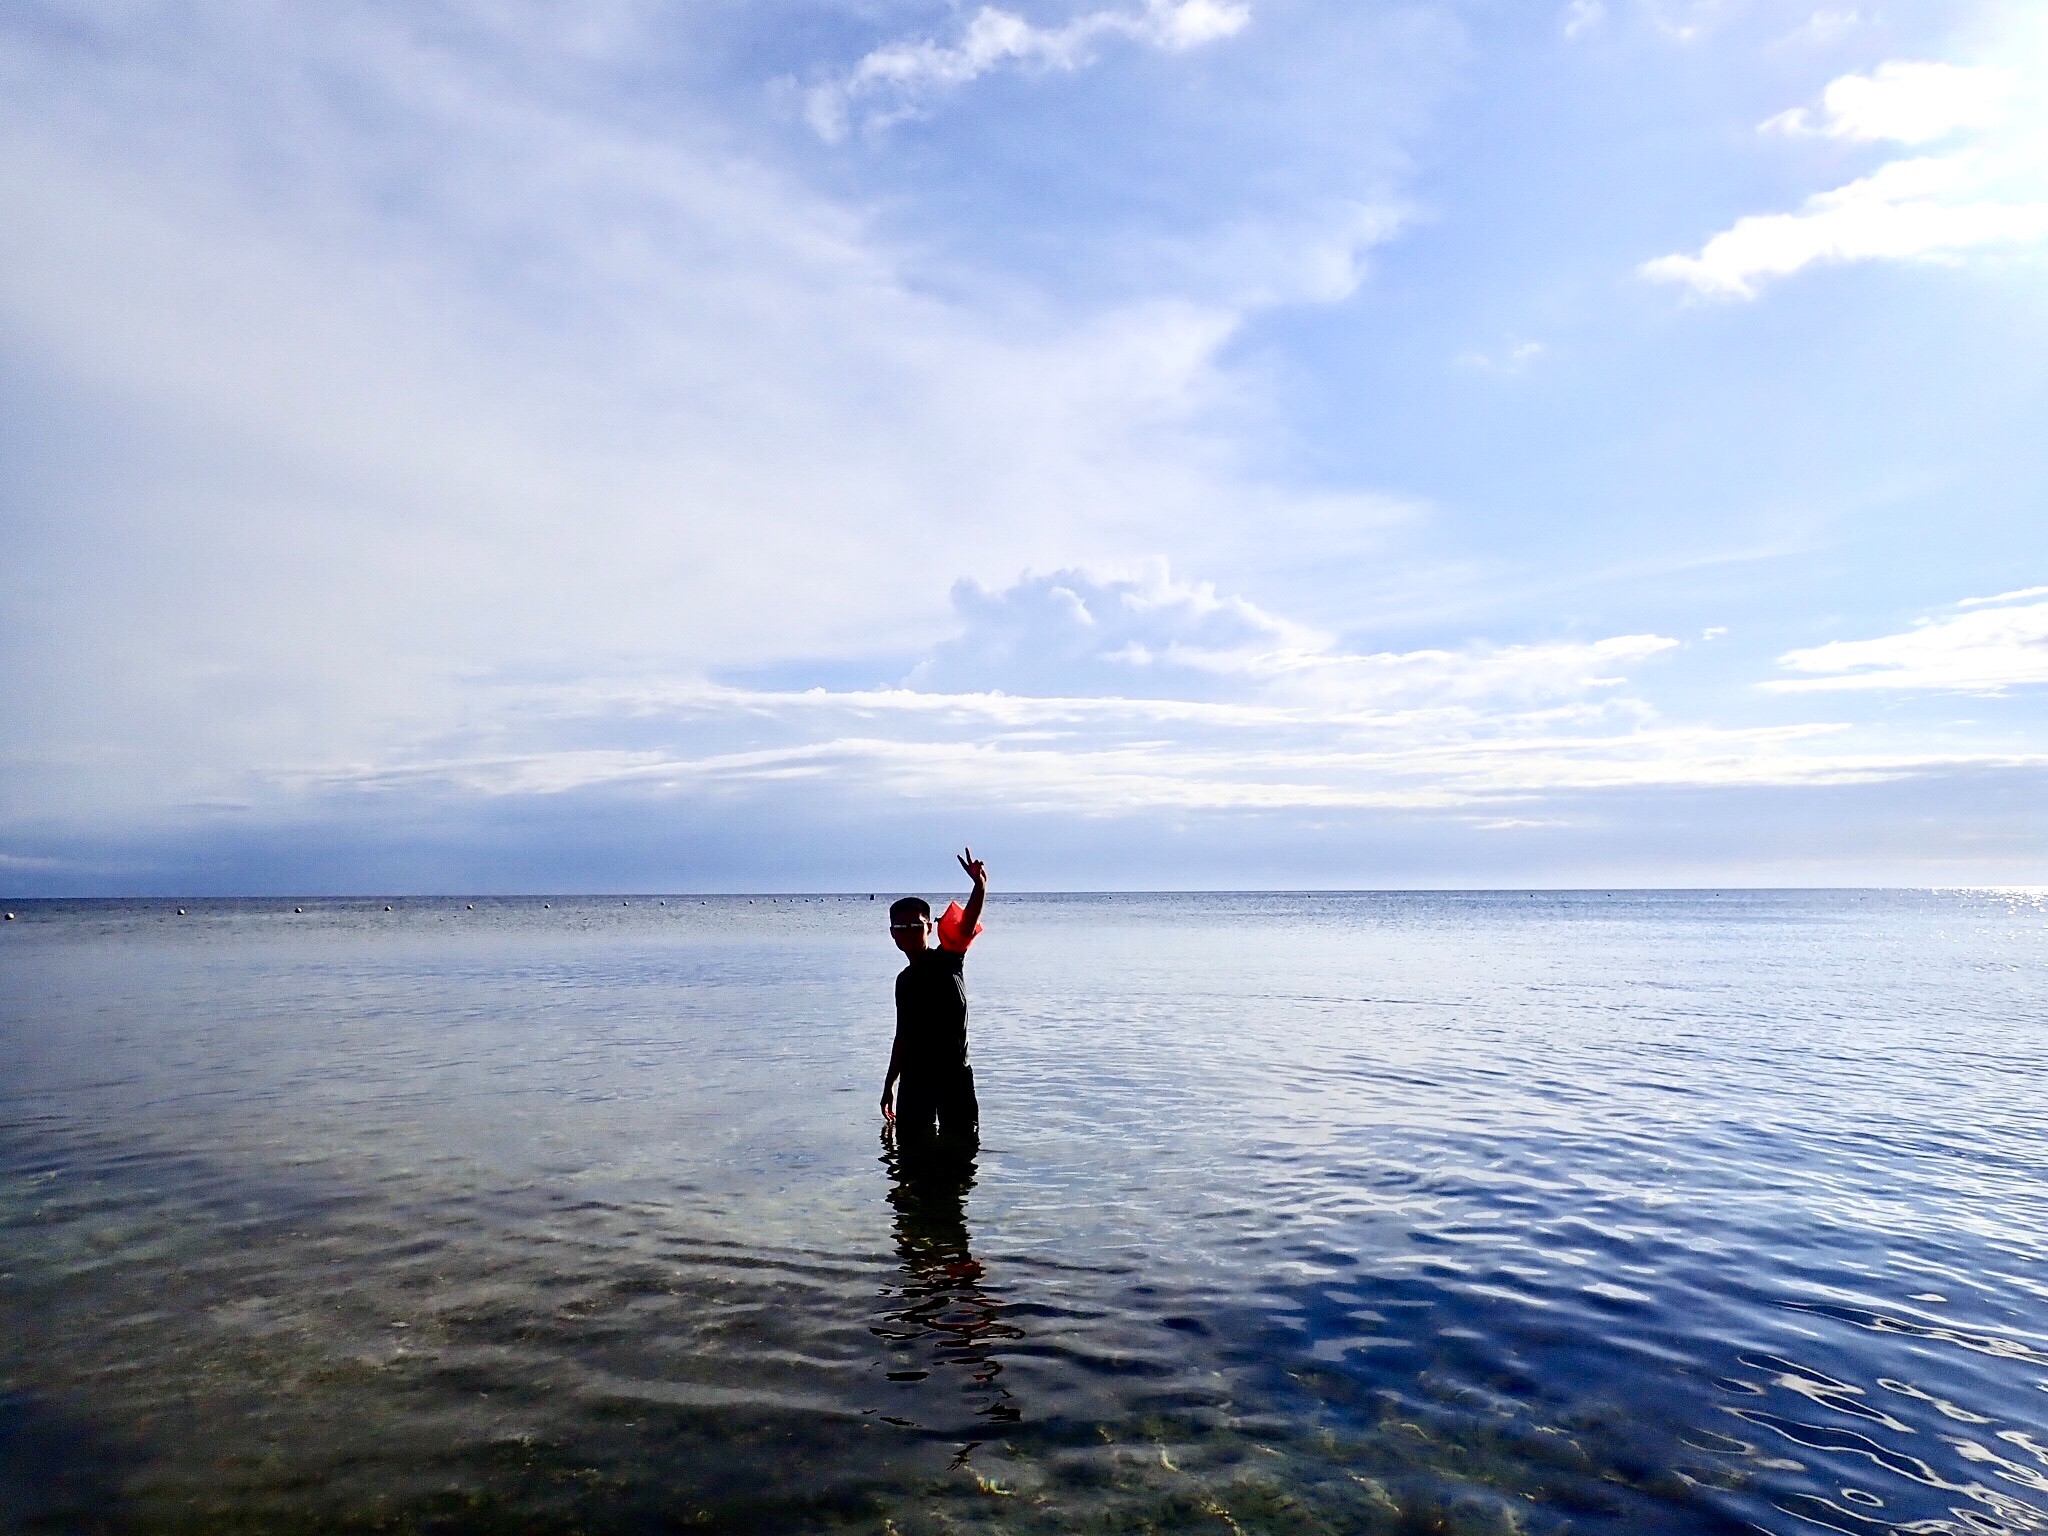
{"points": [[940, 1314]]}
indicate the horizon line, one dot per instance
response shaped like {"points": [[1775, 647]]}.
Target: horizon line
{"points": [[1608, 888]]}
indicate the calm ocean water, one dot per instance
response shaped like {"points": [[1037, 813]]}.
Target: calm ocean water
{"points": [[1675, 1212]]}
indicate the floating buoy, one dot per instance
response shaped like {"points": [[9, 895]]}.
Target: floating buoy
{"points": [[544, 907], [298, 909], [387, 906], [10, 917], [469, 906], [181, 911]]}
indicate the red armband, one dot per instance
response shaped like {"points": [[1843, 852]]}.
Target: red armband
{"points": [[953, 933]]}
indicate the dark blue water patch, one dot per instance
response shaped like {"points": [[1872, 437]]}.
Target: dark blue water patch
{"points": [[57, 1472]]}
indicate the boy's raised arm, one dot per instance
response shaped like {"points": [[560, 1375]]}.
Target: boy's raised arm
{"points": [[978, 873]]}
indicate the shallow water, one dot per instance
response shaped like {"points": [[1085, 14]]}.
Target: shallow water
{"points": [[1635, 1212]]}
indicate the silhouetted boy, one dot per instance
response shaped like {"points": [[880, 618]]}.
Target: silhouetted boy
{"points": [[928, 1071]]}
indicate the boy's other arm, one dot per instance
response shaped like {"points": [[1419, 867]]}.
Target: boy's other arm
{"points": [[889, 1082], [978, 873]]}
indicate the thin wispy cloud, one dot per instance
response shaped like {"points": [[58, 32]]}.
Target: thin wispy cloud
{"points": [[2003, 597], [1115, 779], [898, 80], [1193, 700]]}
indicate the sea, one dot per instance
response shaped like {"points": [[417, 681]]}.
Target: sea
{"points": [[1490, 1212]]}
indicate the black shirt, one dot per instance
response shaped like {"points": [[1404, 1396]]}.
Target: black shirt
{"points": [[931, 1015]]}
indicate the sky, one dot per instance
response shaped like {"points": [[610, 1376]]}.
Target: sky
{"points": [[630, 445]]}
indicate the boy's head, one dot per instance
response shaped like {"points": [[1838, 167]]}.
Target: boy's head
{"points": [[910, 924]]}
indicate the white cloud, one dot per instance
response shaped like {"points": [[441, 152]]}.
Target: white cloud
{"points": [[1822, 29], [1905, 102], [1582, 16], [1150, 634], [1928, 208], [1512, 357], [1911, 209], [903, 74], [1316, 256], [1998, 644], [1689, 21], [1074, 630]]}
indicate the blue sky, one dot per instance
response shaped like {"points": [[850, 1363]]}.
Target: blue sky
{"points": [[485, 446]]}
